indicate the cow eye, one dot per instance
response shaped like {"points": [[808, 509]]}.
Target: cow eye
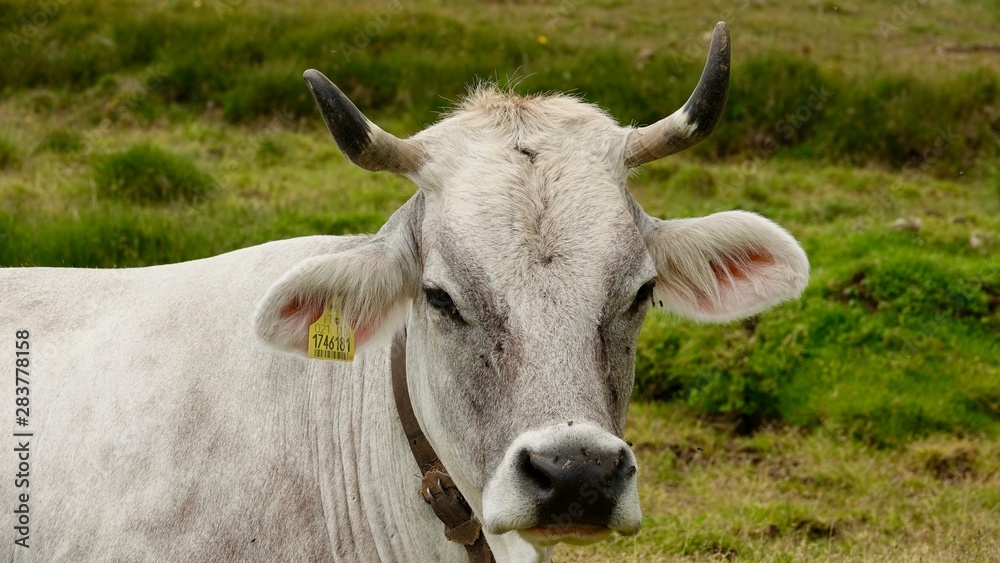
{"points": [[440, 300], [644, 294]]}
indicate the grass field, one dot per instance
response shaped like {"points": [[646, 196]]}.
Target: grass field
{"points": [[859, 423]]}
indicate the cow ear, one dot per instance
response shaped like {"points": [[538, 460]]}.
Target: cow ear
{"points": [[724, 266], [372, 285]]}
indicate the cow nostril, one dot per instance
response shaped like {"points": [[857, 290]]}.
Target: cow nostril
{"points": [[622, 466], [527, 467], [575, 485]]}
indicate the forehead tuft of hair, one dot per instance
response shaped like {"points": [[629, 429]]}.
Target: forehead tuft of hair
{"points": [[501, 107]]}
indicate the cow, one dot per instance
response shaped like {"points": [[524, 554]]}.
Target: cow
{"points": [[174, 412]]}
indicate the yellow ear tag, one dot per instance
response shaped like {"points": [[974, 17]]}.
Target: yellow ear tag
{"points": [[330, 338]]}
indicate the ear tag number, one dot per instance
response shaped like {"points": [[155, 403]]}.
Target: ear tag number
{"points": [[330, 338]]}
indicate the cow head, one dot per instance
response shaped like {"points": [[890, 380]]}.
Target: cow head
{"points": [[523, 270]]}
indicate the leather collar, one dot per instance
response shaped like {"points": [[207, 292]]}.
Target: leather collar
{"points": [[437, 487]]}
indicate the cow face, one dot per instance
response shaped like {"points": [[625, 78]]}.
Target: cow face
{"points": [[523, 269], [534, 283]]}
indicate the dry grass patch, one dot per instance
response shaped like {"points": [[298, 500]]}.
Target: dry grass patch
{"points": [[788, 495]]}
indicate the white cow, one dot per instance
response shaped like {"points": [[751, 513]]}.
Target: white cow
{"points": [[173, 415]]}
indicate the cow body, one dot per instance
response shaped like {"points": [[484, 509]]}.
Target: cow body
{"points": [[164, 431]]}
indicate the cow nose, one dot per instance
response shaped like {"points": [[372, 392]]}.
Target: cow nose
{"points": [[578, 487]]}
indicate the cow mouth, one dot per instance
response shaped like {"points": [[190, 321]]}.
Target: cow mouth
{"points": [[581, 534]]}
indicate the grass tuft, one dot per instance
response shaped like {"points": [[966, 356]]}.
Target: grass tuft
{"points": [[10, 151], [948, 460], [62, 140], [146, 174]]}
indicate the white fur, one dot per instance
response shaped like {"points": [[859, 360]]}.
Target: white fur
{"points": [[372, 285], [684, 250], [164, 431]]}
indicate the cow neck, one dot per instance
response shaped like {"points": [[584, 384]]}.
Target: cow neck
{"points": [[437, 488]]}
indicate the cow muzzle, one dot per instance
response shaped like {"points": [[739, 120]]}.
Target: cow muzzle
{"points": [[572, 483]]}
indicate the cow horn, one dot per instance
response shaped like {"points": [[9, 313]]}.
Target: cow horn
{"points": [[699, 116], [361, 140]]}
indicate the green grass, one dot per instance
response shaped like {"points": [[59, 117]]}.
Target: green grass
{"points": [[10, 151], [858, 423], [246, 61], [146, 174], [900, 344], [62, 141]]}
